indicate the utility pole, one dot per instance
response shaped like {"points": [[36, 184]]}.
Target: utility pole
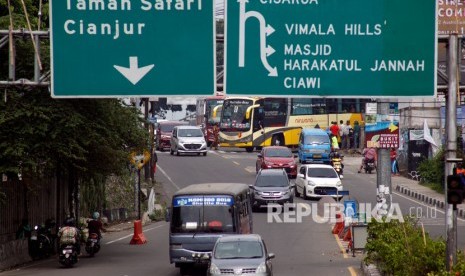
{"points": [[147, 127], [383, 171], [451, 146]]}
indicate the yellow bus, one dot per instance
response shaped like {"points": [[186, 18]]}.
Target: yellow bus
{"points": [[254, 122]]}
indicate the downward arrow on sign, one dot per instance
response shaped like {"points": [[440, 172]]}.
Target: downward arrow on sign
{"points": [[134, 74]]}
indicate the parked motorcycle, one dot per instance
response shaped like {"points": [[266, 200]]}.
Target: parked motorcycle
{"points": [[92, 244], [40, 243], [369, 165], [68, 255], [336, 162]]}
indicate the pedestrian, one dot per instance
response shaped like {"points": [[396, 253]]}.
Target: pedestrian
{"points": [[356, 135], [216, 133], [349, 134], [394, 165], [334, 129], [341, 134], [154, 162]]}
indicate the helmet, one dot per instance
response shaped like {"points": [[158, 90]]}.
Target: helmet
{"points": [[95, 215], [70, 221]]}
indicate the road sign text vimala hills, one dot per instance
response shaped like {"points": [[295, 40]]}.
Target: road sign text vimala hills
{"points": [[352, 48], [115, 48]]}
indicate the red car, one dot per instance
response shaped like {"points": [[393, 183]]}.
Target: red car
{"points": [[163, 133], [276, 157]]}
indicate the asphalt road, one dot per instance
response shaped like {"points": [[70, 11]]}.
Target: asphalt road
{"points": [[301, 248]]}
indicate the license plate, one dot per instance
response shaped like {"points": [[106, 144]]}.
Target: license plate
{"points": [[272, 201], [93, 240], [33, 238], [317, 156]]}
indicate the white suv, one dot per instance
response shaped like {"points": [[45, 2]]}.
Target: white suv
{"points": [[188, 139]]}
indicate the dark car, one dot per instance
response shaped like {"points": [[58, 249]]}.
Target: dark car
{"points": [[271, 186], [163, 133], [276, 157], [241, 255]]}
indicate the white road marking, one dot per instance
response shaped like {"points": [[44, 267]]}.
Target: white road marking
{"points": [[169, 178], [130, 235]]}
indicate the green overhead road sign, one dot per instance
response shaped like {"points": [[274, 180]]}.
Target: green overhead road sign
{"points": [[118, 48], [331, 48]]}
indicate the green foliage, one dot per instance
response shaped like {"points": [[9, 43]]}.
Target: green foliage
{"points": [[432, 171], [457, 269], [158, 214], [401, 249]]}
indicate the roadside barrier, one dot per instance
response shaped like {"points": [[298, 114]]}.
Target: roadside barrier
{"points": [[339, 226], [139, 237]]}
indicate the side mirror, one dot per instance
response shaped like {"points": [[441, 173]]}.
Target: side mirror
{"points": [[301, 175], [167, 215], [270, 256], [292, 186], [252, 187]]}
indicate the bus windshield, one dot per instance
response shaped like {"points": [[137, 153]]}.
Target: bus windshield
{"points": [[203, 214], [211, 104], [233, 115]]}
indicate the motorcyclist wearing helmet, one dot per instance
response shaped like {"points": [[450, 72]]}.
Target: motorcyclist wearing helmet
{"points": [[69, 234], [95, 225]]}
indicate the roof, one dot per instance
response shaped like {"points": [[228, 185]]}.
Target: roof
{"points": [[316, 131], [273, 172], [172, 123], [236, 238], [213, 189], [318, 166], [187, 127], [276, 147]]}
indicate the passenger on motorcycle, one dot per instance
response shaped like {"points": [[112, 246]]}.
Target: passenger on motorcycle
{"points": [[69, 234], [95, 225], [368, 154]]}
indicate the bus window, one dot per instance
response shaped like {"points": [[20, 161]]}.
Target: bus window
{"points": [[203, 214]]}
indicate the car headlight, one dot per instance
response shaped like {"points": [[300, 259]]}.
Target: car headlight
{"points": [[261, 268], [311, 183], [165, 137], [258, 193], [339, 183], [291, 164], [214, 269], [268, 163]]}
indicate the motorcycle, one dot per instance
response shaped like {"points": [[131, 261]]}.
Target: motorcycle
{"points": [[336, 162], [68, 255], [40, 243], [369, 165], [92, 244]]}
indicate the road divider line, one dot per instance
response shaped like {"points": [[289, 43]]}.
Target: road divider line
{"points": [[169, 178], [130, 235], [343, 251], [237, 163], [352, 271]]}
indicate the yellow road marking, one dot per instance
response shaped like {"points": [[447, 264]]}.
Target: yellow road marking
{"points": [[340, 246], [352, 271]]}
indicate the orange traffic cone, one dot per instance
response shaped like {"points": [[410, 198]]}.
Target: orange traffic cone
{"points": [[138, 237], [339, 226]]}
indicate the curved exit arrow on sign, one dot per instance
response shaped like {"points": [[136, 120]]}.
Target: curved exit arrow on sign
{"points": [[134, 74]]}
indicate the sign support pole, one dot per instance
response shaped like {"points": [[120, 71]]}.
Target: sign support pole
{"points": [[383, 170], [451, 147]]}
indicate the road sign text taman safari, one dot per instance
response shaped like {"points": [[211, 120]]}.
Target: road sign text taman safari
{"points": [[114, 48]]}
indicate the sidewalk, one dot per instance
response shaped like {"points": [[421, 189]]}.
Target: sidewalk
{"points": [[410, 188]]}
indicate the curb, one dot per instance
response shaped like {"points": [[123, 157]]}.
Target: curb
{"points": [[370, 270], [427, 199]]}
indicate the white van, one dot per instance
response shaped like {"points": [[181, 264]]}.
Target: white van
{"points": [[188, 139]]}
